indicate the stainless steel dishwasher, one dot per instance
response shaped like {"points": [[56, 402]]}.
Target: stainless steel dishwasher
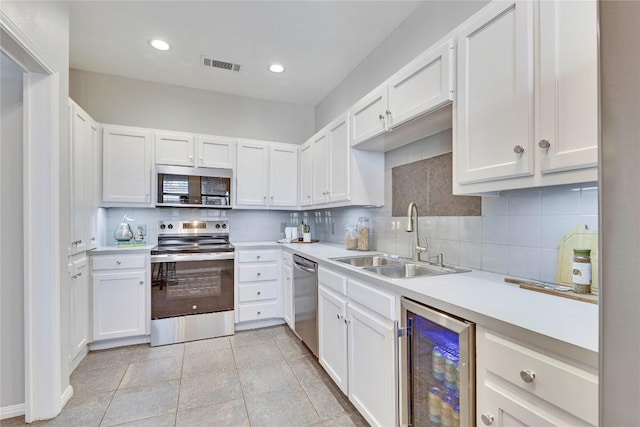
{"points": [[305, 301]]}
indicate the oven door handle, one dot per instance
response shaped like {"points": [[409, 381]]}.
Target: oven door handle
{"points": [[192, 257]]}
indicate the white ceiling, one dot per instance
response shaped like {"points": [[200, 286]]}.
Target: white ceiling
{"points": [[318, 42]]}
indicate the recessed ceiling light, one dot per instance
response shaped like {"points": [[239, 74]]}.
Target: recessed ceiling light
{"points": [[276, 68], [159, 44]]}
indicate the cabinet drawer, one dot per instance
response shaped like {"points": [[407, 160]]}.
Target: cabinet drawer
{"points": [[565, 386], [258, 255], [255, 273], [258, 291], [373, 299], [333, 281], [257, 311], [119, 262]]}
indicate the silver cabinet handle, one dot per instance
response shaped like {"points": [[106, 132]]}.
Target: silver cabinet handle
{"points": [[338, 316], [79, 274], [259, 292], [388, 113], [381, 117], [118, 263], [518, 149], [194, 307], [487, 419], [257, 256], [258, 273], [527, 376], [544, 143], [141, 282], [258, 313]]}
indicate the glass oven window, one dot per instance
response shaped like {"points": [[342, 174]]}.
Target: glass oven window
{"points": [[191, 287]]}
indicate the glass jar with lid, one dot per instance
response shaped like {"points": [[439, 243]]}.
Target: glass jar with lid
{"points": [[363, 233], [351, 237]]}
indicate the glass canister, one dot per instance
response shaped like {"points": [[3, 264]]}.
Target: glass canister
{"points": [[582, 271], [363, 233], [351, 237]]}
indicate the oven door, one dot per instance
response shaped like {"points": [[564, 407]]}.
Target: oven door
{"points": [[186, 284]]}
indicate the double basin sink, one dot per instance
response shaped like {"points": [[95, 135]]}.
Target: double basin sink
{"points": [[396, 267]]}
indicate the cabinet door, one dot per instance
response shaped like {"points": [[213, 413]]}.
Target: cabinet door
{"points": [[339, 164], [495, 94], [216, 152], [126, 169], [568, 82], [320, 180], [368, 116], [332, 336], [287, 284], [422, 86], [283, 175], [119, 304], [372, 365], [93, 184], [174, 149], [252, 173], [79, 185], [79, 307], [306, 174]]}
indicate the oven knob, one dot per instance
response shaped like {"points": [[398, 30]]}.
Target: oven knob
{"points": [[162, 226], [218, 226], [224, 225], [195, 307], [170, 226]]}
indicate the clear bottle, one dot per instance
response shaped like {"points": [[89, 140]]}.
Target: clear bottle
{"points": [[363, 233], [351, 237]]}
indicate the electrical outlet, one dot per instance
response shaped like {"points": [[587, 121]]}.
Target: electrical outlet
{"points": [[283, 225], [144, 228]]}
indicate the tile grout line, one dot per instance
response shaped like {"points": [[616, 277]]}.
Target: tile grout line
{"points": [[175, 418], [244, 397]]}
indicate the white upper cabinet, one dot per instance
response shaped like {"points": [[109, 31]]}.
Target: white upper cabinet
{"points": [[568, 85], [422, 86], [174, 149], [283, 175], [320, 175], [495, 81], [306, 174], [527, 108], [216, 152], [126, 162], [83, 180], [266, 174], [369, 116], [339, 165]]}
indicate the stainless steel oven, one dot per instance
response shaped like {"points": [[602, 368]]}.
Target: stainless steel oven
{"points": [[191, 282]]}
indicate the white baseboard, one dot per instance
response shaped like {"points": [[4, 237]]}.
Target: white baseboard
{"points": [[68, 392], [255, 324], [119, 342], [76, 360], [11, 411]]}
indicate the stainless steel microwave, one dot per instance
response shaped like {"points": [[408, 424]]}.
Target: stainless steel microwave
{"points": [[180, 186]]}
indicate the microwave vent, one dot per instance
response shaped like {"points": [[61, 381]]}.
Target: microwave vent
{"points": [[215, 63]]}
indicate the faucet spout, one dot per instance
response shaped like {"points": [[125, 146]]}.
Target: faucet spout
{"points": [[417, 249], [412, 206]]}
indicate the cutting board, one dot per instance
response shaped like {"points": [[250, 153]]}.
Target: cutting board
{"points": [[578, 238]]}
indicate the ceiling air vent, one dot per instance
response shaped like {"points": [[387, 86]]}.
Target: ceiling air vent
{"points": [[209, 62]]}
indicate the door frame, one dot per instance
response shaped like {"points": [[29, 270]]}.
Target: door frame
{"points": [[42, 272]]}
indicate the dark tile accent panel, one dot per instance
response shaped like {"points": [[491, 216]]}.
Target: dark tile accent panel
{"points": [[429, 183]]}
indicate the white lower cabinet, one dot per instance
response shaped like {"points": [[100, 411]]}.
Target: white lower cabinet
{"points": [[520, 385], [357, 344], [121, 296], [78, 308], [258, 291], [287, 289]]}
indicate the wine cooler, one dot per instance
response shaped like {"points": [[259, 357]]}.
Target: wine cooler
{"points": [[438, 370]]}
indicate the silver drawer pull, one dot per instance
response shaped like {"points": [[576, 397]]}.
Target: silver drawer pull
{"points": [[118, 262], [258, 313], [518, 149], [195, 307], [258, 273], [527, 376], [487, 419], [257, 256], [259, 292], [141, 282], [544, 143]]}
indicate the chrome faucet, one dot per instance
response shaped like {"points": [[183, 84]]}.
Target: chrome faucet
{"points": [[417, 249]]}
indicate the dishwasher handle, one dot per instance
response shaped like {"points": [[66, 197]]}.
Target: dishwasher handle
{"points": [[303, 268]]}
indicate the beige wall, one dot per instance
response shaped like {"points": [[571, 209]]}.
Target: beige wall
{"points": [[124, 101], [620, 213]]}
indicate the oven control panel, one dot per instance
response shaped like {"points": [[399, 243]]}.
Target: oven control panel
{"points": [[192, 228]]}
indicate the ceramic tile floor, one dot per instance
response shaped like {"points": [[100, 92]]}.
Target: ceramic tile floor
{"points": [[262, 377]]}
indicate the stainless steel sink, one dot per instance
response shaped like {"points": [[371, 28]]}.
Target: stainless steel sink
{"points": [[408, 270], [396, 267], [371, 260]]}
